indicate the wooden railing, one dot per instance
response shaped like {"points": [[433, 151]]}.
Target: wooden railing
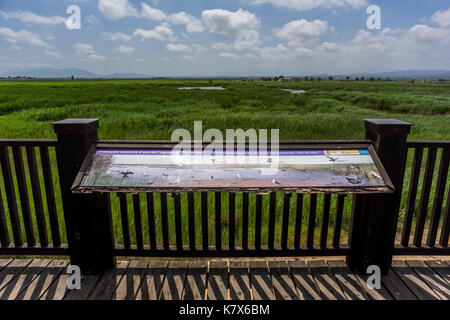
{"points": [[197, 225], [36, 204], [431, 225], [35, 226]]}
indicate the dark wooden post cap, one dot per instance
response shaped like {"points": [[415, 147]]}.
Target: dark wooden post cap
{"points": [[75, 126], [387, 126]]}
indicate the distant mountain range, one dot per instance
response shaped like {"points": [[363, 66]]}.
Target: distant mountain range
{"points": [[49, 73], [53, 73]]}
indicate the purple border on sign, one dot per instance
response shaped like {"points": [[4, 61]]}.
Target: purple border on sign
{"points": [[168, 152]]}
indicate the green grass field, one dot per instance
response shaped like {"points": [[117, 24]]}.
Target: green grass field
{"points": [[152, 109]]}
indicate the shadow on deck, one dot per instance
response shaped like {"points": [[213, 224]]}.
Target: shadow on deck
{"points": [[312, 279]]}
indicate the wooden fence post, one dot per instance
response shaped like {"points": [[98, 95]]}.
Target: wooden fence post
{"points": [[374, 217], [87, 217]]}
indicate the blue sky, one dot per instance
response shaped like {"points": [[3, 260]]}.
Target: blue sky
{"points": [[228, 37]]}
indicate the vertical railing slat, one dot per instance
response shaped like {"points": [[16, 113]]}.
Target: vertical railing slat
{"points": [[50, 196], [258, 221], [164, 221], [412, 194], [298, 221], [445, 232], [425, 197], [272, 217], [245, 221], [205, 236], [23, 195], [285, 223], [191, 214], [4, 234], [37, 196], [231, 220], [311, 221], [178, 230], [325, 221], [138, 221], [438, 197], [338, 221], [124, 219], [151, 221], [218, 219], [11, 196]]}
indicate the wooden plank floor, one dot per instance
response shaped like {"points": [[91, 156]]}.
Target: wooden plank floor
{"points": [[309, 279]]}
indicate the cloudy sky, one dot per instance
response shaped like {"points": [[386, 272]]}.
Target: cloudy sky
{"points": [[225, 37]]}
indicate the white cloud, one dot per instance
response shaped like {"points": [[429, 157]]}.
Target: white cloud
{"points": [[311, 4], [382, 42], [180, 18], [226, 22], [116, 9], [195, 26], [152, 13], [247, 40], [83, 48], [22, 36], [97, 57], [228, 55], [115, 36], [87, 50], [429, 35], [329, 47], [32, 18], [187, 57], [125, 49], [303, 52], [161, 33], [178, 47], [388, 48], [220, 46], [369, 51], [299, 31], [192, 24], [442, 18], [282, 52]]}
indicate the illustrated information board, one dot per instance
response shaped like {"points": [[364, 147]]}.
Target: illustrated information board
{"points": [[128, 170]]}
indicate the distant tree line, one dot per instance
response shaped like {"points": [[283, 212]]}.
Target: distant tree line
{"points": [[347, 78]]}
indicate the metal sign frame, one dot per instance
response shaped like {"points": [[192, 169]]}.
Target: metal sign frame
{"points": [[347, 145]]}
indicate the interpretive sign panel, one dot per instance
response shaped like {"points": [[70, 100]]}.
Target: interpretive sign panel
{"points": [[329, 169]]}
